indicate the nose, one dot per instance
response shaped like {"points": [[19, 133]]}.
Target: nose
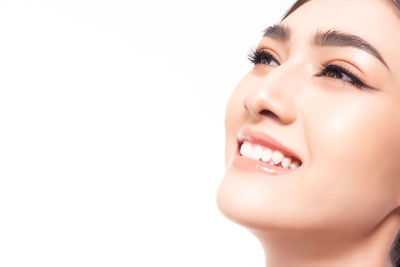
{"points": [[273, 96]]}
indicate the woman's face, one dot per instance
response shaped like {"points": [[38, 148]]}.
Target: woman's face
{"points": [[347, 138]]}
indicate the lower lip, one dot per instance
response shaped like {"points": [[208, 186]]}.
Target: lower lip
{"points": [[253, 165]]}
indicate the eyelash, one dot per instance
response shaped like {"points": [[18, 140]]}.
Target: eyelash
{"points": [[259, 56]]}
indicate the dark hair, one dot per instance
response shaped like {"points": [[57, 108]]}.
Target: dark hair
{"points": [[395, 248]]}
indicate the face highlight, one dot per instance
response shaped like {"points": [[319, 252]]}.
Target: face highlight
{"points": [[347, 136]]}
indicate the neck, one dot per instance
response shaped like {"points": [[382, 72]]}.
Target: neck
{"points": [[331, 249]]}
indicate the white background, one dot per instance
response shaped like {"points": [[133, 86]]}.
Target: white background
{"points": [[111, 130]]}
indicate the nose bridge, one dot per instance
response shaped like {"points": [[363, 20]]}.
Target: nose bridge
{"points": [[276, 94]]}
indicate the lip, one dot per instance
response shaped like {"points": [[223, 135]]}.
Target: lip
{"points": [[266, 140], [263, 139], [253, 165]]}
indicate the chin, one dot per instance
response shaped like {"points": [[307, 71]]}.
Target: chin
{"points": [[238, 202]]}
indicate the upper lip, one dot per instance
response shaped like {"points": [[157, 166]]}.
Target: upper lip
{"points": [[264, 139]]}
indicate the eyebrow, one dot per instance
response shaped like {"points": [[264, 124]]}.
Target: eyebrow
{"points": [[282, 32]]}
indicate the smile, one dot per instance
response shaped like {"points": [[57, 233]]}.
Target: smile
{"points": [[258, 151]]}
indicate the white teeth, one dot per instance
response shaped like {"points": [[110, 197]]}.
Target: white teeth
{"points": [[277, 157], [245, 149], [266, 155], [286, 162], [256, 152], [294, 165]]}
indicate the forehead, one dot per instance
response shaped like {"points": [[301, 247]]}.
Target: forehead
{"points": [[376, 21]]}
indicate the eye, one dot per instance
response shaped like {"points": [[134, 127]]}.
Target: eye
{"points": [[260, 56], [340, 73]]}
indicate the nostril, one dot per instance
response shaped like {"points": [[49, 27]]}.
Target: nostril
{"points": [[266, 112]]}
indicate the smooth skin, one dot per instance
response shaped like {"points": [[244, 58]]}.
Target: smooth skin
{"points": [[341, 208]]}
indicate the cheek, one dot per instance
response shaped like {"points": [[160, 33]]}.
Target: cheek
{"points": [[354, 149]]}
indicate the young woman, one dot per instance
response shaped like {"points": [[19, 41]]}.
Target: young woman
{"points": [[313, 137]]}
